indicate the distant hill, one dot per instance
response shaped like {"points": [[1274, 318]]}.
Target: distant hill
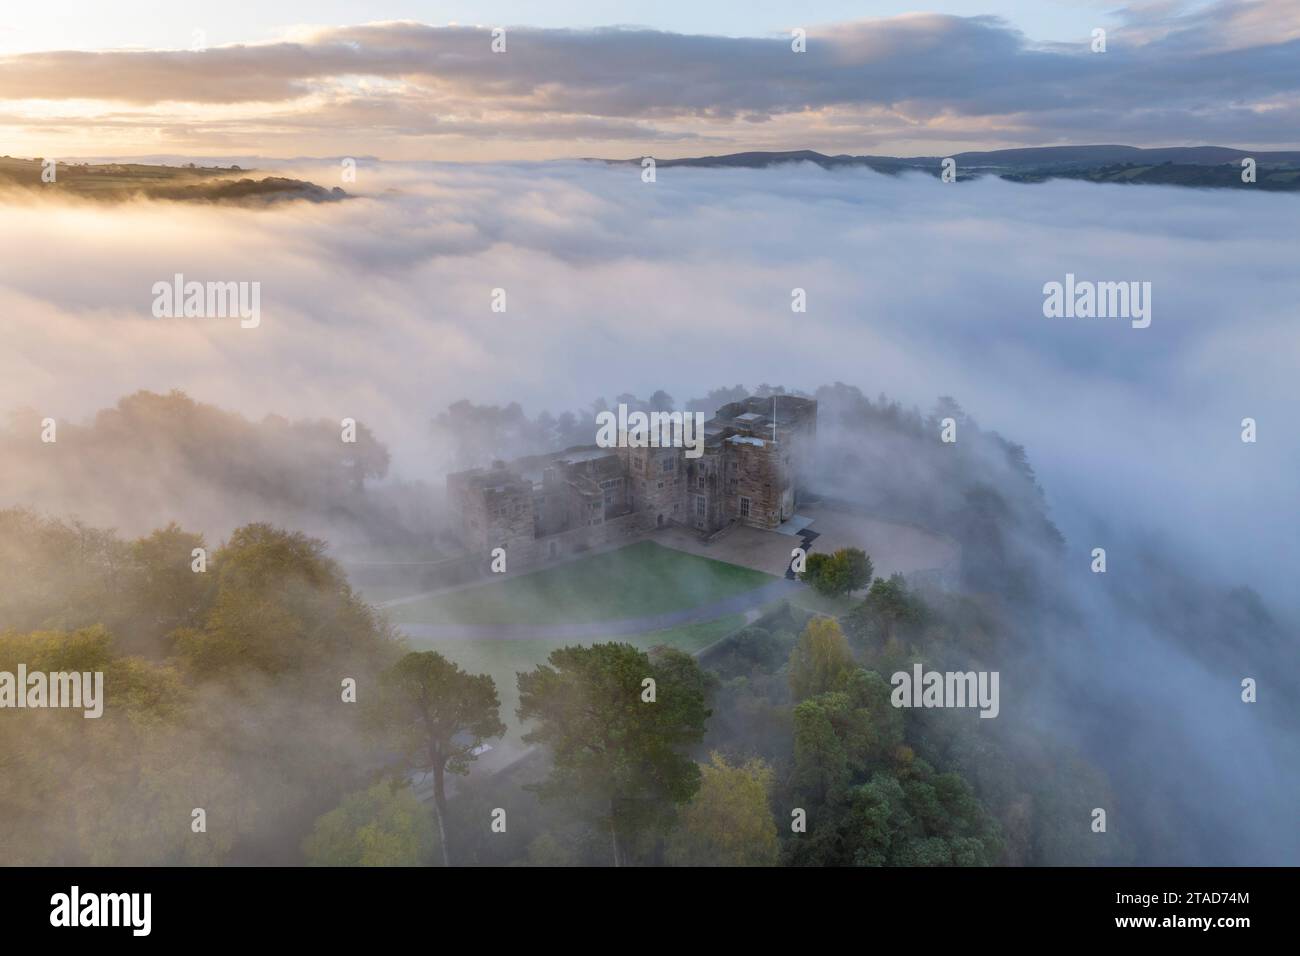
{"points": [[1057, 156], [1203, 166], [119, 181], [270, 189]]}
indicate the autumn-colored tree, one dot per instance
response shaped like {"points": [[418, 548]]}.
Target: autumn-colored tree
{"points": [[820, 659], [282, 607], [60, 575], [383, 826], [118, 789], [166, 593], [729, 821]]}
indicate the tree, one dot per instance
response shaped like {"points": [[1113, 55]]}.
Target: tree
{"points": [[892, 605], [156, 454], [60, 574], [545, 424], [569, 431], [857, 568], [165, 593], [382, 826], [879, 723], [819, 571], [946, 407], [660, 401], [839, 736], [821, 762], [843, 572], [820, 660], [609, 742], [716, 399], [903, 815], [915, 817], [441, 716], [91, 792], [282, 608], [729, 821], [476, 434]]}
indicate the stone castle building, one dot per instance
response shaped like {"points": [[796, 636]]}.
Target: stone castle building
{"points": [[757, 456]]}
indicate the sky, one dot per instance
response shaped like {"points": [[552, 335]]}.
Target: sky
{"points": [[87, 24], [405, 81]]}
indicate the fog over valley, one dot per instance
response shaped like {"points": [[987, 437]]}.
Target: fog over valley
{"points": [[379, 308], [924, 301]]}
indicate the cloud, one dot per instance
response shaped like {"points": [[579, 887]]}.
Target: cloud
{"points": [[1213, 74], [379, 308]]}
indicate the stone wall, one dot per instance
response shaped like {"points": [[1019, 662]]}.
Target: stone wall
{"points": [[625, 528], [495, 512], [755, 471], [711, 467], [654, 491]]}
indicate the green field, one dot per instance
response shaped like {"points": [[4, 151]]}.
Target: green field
{"points": [[641, 579]]}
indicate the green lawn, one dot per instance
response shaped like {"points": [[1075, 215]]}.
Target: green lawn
{"points": [[641, 579]]}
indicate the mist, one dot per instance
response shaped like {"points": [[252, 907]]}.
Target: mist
{"points": [[379, 308]]}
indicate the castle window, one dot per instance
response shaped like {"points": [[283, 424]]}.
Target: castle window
{"points": [[668, 464], [744, 507], [700, 505]]}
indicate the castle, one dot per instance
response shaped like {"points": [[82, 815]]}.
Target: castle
{"points": [[757, 456]]}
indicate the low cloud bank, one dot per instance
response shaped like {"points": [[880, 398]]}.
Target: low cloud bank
{"points": [[381, 309]]}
